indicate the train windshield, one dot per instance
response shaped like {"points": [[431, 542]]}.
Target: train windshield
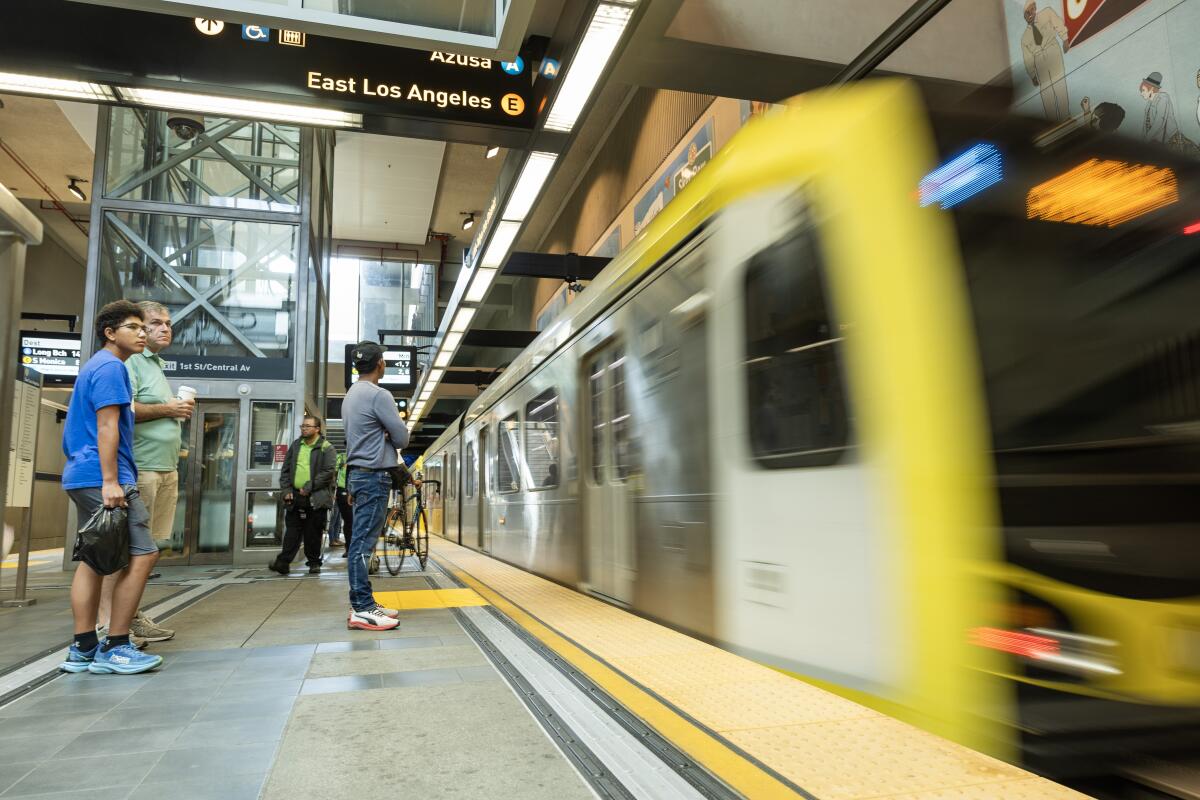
{"points": [[1082, 263], [1083, 269]]}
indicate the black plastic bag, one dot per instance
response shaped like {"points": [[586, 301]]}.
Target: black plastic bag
{"points": [[103, 541]]}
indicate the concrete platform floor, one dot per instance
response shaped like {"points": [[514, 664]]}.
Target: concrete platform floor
{"points": [[265, 693]]}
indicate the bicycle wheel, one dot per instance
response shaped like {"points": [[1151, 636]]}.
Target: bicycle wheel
{"points": [[421, 538], [393, 548], [417, 537]]}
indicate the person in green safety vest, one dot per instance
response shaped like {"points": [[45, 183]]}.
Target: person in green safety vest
{"points": [[345, 510], [307, 480]]}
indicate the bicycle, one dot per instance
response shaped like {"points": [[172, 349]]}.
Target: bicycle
{"points": [[406, 529]]}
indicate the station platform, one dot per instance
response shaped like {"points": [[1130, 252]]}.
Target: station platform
{"points": [[496, 684]]}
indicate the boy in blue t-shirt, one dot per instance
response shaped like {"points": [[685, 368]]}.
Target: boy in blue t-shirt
{"points": [[98, 442]]}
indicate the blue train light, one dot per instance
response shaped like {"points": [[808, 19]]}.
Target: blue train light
{"points": [[963, 176]]}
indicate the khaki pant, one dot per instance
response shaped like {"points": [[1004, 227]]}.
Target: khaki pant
{"points": [[160, 493]]}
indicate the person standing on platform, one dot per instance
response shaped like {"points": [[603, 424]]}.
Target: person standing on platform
{"points": [[157, 414], [100, 472], [307, 479], [374, 434], [345, 510]]}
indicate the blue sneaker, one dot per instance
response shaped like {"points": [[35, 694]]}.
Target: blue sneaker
{"points": [[78, 660], [124, 659]]}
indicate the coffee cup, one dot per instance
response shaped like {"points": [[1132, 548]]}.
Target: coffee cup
{"points": [[186, 393]]}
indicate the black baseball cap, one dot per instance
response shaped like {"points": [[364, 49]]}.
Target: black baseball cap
{"points": [[365, 354]]}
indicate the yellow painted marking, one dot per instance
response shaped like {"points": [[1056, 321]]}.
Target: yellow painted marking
{"points": [[736, 770], [14, 564], [429, 598], [828, 745]]}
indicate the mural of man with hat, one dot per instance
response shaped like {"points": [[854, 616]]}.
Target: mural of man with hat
{"points": [[1160, 124]]}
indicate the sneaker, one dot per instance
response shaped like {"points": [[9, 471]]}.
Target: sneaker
{"points": [[316, 570], [146, 628], [275, 567], [78, 660], [371, 620], [136, 641], [123, 659], [387, 612]]}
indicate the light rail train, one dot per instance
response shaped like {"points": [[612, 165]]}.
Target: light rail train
{"points": [[928, 437]]}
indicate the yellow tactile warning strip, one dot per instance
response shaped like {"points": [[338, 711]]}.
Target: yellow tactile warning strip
{"points": [[832, 748], [415, 599]]}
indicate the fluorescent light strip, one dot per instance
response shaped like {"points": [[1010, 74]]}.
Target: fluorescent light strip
{"points": [[55, 87], [451, 341], [241, 108], [480, 285], [588, 64], [506, 233], [443, 358], [462, 320], [434, 377], [529, 184]]}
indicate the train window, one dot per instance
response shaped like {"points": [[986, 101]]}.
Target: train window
{"points": [[624, 443], [541, 440], [508, 472], [796, 400], [598, 419], [470, 470], [451, 476]]}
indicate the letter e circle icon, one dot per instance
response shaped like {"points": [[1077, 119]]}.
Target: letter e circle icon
{"points": [[209, 27], [513, 104]]}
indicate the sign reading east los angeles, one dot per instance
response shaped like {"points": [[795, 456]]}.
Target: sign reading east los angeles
{"points": [[57, 38]]}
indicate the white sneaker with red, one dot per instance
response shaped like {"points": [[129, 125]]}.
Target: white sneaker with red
{"points": [[387, 612], [371, 620]]}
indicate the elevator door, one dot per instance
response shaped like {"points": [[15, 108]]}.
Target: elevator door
{"points": [[207, 476]]}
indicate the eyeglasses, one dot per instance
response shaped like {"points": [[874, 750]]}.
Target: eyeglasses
{"points": [[302, 427], [160, 324], [136, 327]]}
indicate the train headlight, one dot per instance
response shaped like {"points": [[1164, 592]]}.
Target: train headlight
{"points": [[1183, 650], [1054, 650]]}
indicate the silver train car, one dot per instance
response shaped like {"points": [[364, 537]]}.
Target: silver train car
{"points": [[834, 429]]}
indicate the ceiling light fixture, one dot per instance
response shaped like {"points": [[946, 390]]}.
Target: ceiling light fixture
{"points": [[492, 151], [241, 108], [73, 187], [497, 249], [587, 65], [54, 87], [529, 185], [469, 222], [462, 320]]}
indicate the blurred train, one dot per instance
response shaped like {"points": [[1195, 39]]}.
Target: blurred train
{"points": [[902, 403]]}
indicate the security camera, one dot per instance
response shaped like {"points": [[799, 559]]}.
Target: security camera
{"points": [[185, 127]]}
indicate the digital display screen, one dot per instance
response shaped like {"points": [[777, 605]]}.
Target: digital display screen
{"points": [[55, 355], [399, 374]]}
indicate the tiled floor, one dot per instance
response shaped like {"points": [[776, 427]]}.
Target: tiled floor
{"points": [[264, 692], [167, 733]]}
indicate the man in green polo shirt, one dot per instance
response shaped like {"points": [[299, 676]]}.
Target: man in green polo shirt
{"points": [[156, 440]]}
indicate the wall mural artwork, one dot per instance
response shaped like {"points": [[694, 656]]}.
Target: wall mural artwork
{"points": [[1118, 65]]}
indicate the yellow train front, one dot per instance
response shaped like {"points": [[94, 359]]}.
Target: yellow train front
{"points": [[901, 403]]}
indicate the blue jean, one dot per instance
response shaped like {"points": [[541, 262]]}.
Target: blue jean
{"points": [[370, 491]]}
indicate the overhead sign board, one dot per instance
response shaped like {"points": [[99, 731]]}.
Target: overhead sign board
{"points": [[63, 39], [399, 372], [54, 355]]}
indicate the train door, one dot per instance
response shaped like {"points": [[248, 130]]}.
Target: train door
{"points": [[607, 507], [469, 510], [485, 489]]}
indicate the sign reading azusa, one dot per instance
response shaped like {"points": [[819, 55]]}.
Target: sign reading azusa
{"points": [[59, 38]]}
